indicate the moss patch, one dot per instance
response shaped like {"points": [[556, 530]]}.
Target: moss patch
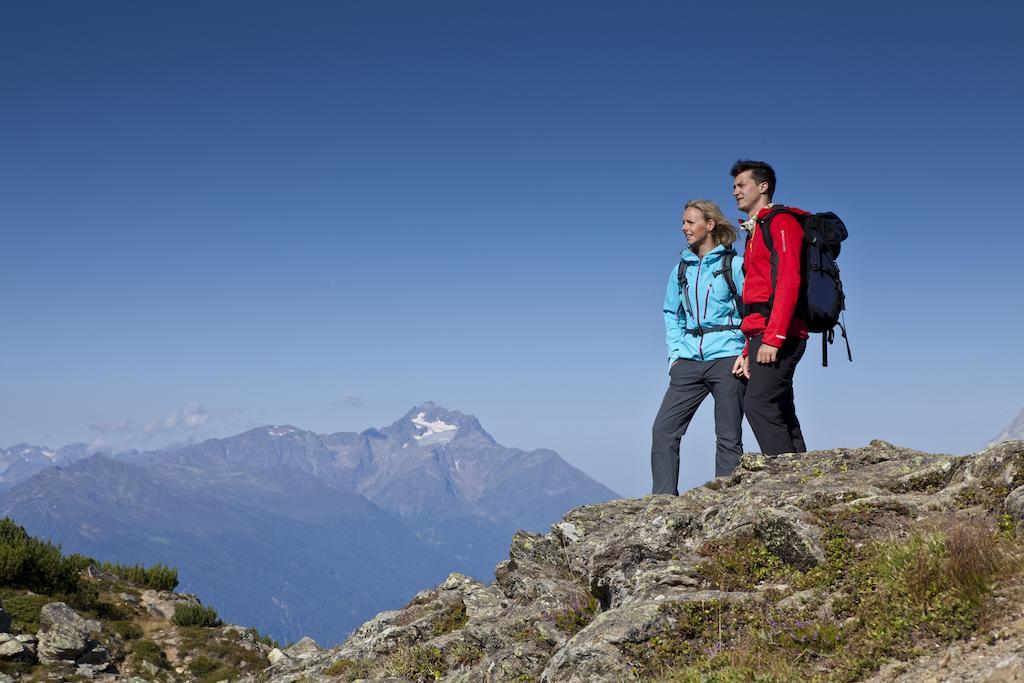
{"points": [[576, 618], [452, 618], [740, 563], [891, 599]]}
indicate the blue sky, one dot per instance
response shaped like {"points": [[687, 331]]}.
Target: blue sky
{"points": [[220, 215]]}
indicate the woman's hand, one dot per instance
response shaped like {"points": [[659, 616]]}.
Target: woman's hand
{"points": [[741, 368]]}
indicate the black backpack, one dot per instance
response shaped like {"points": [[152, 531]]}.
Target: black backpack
{"points": [[821, 302], [725, 272]]}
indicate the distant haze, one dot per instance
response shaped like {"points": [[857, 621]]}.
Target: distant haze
{"points": [[299, 533]]}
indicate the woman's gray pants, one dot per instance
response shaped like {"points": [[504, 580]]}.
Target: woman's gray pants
{"points": [[690, 383]]}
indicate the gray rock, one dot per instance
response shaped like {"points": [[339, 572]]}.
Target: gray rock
{"points": [[794, 540], [28, 641], [63, 634], [1014, 505], [61, 643], [163, 603], [92, 671], [12, 649], [304, 649], [57, 614], [798, 600], [95, 656]]}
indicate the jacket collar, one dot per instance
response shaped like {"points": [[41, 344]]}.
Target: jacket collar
{"points": [[714, 255], [751, 223]]}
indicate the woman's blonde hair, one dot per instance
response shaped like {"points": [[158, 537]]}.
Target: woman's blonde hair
{"points": [[724, 232]]}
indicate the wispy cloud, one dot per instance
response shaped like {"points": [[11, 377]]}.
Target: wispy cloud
{"points": [[184, 426], [352, 401]]}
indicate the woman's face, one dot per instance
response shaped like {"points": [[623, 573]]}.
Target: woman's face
{"points": [[696, 229]]}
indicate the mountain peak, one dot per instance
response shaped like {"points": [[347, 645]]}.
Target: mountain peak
{"points": [[1013, 431], [431, 424]]}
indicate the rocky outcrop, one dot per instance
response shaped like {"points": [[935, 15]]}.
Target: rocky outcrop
{"points": [[587, 600], [162, 604], [64, 635]]}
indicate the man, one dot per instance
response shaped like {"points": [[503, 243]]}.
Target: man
{"points": [[776, 336]]}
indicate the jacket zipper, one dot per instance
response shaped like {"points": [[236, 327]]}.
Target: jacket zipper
{"points": [[707, 297], [696, 300]]}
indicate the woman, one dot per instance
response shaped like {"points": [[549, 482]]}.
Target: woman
{"points": [[702, 328]]}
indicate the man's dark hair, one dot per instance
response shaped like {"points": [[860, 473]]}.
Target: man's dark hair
{"points": [[762, 173]]}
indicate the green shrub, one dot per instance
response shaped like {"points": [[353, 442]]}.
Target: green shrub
{"points": [[17, 669], [203, 666], [147, 651], [127, 630], [195, 615], [255, 634], [158, 577], [230, 655], [418, 663], [350, 669], [24, 610], [462, 653], [36, 565]]}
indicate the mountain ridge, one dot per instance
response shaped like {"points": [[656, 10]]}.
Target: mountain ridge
{"points": [[276, 495]]}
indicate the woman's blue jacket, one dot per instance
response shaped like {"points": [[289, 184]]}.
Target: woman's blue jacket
{"points": [[706, 302]]}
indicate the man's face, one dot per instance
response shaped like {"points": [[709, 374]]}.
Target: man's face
{"points": [[747, 191]]}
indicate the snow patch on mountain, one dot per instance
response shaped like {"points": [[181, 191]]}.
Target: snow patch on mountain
{"points": [[438, 431]]}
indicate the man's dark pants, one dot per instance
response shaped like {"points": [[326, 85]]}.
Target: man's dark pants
{"points": [[690, 383], [768, 404]]}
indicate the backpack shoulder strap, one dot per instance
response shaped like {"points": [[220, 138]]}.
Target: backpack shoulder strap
{"points": [[765, 222], [731, 281], [769, 241], [681, 277]]}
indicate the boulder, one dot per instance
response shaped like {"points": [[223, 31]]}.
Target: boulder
{"points": [[163, 603], [12, 649], [64, 635], [305, 648], [1014, 505]]}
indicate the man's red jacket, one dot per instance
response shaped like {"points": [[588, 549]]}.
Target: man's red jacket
{"points": [[788, 237]]}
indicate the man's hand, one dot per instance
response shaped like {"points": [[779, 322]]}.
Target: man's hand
{"points": [[767, 354], [741, 368]]}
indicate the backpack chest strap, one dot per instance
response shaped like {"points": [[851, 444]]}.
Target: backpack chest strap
{"points": [[701, 331]]}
